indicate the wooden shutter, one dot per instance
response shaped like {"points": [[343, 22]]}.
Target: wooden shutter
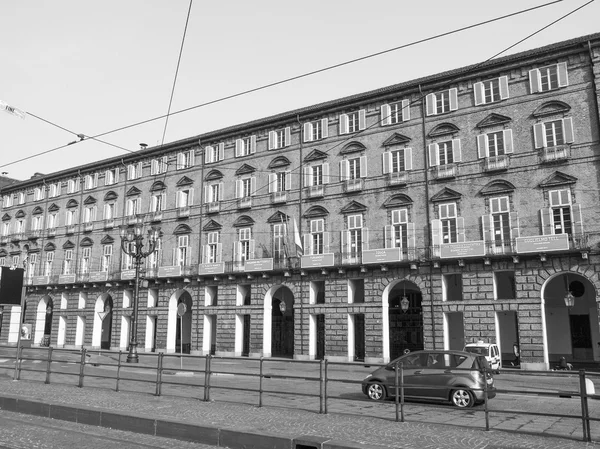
{"points": [[307, 238], [288, 180], [365, 239], [207, 193], [272, 139], [252, 144], [568, 129], [482, 146], [387, 162], [430, 104], [237, 251], [388, 232], [272, 182], [343, 125], [508, 141], [362, 119], [239, 145], [326, 242], [325, 172], [363, 166], [190, 197], [222, 151], [411, 238], [436, 232], [546, 219], [343, 170], [453, 98], [514, 223], [219, 252], [345, 240], [308, 176], [434, 155], [503, 81], [208, 152], [405, 110], [460, 229], [577, 220], [179, 161], [288, 136], [534, 81], [192, 158], [221, 188], [456, 150], [563, 78], [486, 226], [324, 128], [386, 118], [238, 188], [252, 249], [478, 91], [307, 132], [539, 136], [253, 186]]}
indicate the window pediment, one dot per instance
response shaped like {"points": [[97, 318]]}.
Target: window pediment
{"points": [[396, 139], [53, 208], [71, 204], [37, 211], [395, 201], [556, 179], [50, 247], [110, 195], [353, 147], [20, 214], [443, 129], [134, 191], [107, 240], [89, 200], [6, 217], [158, 185], [493, 120], [315, 155], [182, 229], [242, 221], [446, 194], [279, 162], [68, 245], [315, 212], [497, 187], [550, 108], [245, 169], [213, 175], [278, 217], [184, 181], [352, 207], [212, 225], [86, 242], [3, 253]]}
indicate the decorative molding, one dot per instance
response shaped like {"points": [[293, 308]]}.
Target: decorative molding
{"points": [[212, 225], [182, 229], [242, 221], [396, 139], [497, 187], [446, 194], [353, 206], [278, 217], [245, 169], [53, 208], [86, 242], [213, 175], [110, 195], [315, 212], [353, 147], [157, 186], [557, 179], [6, 217], [37, 211], [493, 120], [20, 214], [184, 181], [399, 200], [278, 162], [551, 108], [50, 247], [89, 200], [107, 240], [315, 155], [68, 245], [72, 204], [443, 129]]}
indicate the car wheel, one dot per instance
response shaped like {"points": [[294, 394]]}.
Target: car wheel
{"points": [[376, 391], [462, 398]]}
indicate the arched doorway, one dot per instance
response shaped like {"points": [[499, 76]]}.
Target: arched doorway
{"points": [[179, 332], [282, 323], [103, 317], [43, 321], [571, 332], [405, 317]]}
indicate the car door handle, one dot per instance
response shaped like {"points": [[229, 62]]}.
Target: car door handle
{"points": [[418, 372]]}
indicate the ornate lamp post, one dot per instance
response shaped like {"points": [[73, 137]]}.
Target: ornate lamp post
{"points": [[132, 244]]}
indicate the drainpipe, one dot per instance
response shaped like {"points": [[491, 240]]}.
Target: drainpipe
{"points": [[596, 110], [427, 240], [81, 187], [301, 187], [202, 155]]}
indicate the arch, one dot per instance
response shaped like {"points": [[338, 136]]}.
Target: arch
{"points": [[72, 204], [86, 242], [49, 247], [110, 195], [213, 175], [182, 229], [580, 343], [497, 187], [316, 211], [278, 162], [443, 129], [551, 108], [37, 211], [278, 327], [179, 329], [102, 327], [353, 147], [400, 200], [157, 186], [43, 321], [20, 214], [243, 220]]}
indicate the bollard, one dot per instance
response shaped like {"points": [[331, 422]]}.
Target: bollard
{"points": [[397, 391], [118, 370], [325, 390], [401, 391], [260, 383], [585, 415], [81, 367], [48, 365], [159, 369], [485, 400], [19, 363], [207, 379], [321, 384]]}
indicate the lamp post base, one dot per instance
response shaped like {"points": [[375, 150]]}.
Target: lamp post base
{"points": [[132, 357]]}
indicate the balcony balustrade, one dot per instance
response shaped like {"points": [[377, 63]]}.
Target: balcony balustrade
{"points": [[398, 178], [445, 171], [155, 216], [556, 154], [109, 223], [279, 197], [17, 237], [353, 185], [496, 163], [88, 227], [70, 229], [245, 203], [315, 191], [4, 239], [183, 212], [213, 208]]}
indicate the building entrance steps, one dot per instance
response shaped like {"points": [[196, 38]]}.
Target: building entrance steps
{"points": [[245, 426]]}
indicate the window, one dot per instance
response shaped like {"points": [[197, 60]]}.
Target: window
{"points": [[548, 78], [452, 287], [48, 264], [159, 165], [496, 225], [245, 146], [352, 239], [134, 206], [279, 234], [445, 153], [395, 112], [111, 176], [505, 285], [317, 241], [158, 202], [185, 159], [184, 198], [15, 261], [316, 130], [54, 190], [21, 198], [442, 102], [353, 168], [36, 224], [280, 138], [52, 220], [134, 171], [71, 218], [244, 248], [491, 91], [397, 160], [316, 175], [213, 248], [20, 226], [245, 188], [2, 261], [352, 122], [182, 251], [495, 144], [448, 219], [90, 181], [154, 258], [214, 192], [89, 214], [32, 262], [280, 182], [38, 193], [553, 133], [7, 201], [107, 252], [128, 261], [109, 211], [6, 228], [68, 262], [86, 258], [73, 185], [214, 153], [396, 234], [563, 217]]}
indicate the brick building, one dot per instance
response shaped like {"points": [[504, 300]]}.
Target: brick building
{"points": [[452, 208]]}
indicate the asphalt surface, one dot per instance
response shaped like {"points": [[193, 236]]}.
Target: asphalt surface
{"points": [[286, 418]]}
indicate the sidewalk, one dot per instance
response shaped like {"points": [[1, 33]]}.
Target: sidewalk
{"points": [[230, 425]]}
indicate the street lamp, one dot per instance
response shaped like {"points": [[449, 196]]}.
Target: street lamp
{"points": [[132, 244]]}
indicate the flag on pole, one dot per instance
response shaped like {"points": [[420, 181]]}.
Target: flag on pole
{"points": [[11, 110], [297, 240]]}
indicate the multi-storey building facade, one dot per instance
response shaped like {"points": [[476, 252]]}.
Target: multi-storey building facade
{"points": [[453, 208]]}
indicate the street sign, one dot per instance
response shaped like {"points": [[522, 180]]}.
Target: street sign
{"points": [[102, 315], [181, 309]]}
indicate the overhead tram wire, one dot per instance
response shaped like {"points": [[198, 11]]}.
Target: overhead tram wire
{"points": [[314, 72], [176, 73]]}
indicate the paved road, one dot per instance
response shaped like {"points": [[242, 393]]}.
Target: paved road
{"points": [[19, 431]]}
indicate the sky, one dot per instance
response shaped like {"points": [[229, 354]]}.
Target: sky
{"points": [[93, 67]]}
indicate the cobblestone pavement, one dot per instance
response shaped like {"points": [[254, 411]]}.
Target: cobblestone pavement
{"points": [[370, 431], [19, 431]]}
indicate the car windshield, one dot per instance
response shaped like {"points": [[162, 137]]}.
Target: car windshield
{"points": [[476, 350]]}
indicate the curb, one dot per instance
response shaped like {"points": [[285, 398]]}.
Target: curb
{"points": [[215, 436]]}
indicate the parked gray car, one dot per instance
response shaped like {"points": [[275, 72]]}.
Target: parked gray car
{"points": [[455, 376]]}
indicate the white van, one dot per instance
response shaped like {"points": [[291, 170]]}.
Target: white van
{"points": [[489, 350]]}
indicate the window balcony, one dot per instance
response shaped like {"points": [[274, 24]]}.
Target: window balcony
{"points": [[155, 216], [353, 185], [279, 197], [51, 232], [88, 227], [496, 163], [70, 229], [109, 223], [351, 258], [398, 178], [317, 191], [213, 208], [35, 234], [245, 203], [556, 154], [183, 212], [17, 237], [445, 171], [4, 239], [134, 219], [66, 279]]}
